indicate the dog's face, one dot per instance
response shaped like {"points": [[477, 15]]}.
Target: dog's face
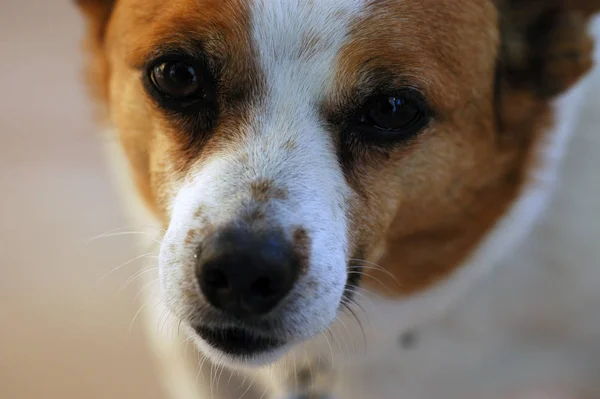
{"points": [[284, 144]]}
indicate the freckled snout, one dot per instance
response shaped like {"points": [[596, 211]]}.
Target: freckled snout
{"points": [[246, 274]]}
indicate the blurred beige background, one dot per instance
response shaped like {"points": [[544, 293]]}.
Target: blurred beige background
{"points": [[64, 331]]}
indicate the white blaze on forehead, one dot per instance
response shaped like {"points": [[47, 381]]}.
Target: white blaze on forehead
{"points": [[297, 43], [281, 30]]}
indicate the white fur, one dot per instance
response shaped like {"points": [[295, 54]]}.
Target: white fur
{"points": [[308, 170]]}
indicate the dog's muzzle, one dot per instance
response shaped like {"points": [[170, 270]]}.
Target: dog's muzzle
{"points": [[244, 276]]}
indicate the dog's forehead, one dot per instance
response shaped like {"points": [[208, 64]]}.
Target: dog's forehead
{"points": [[414, 37]]}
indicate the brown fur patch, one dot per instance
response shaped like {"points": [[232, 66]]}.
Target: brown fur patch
{"points": [[290, 145], [98, 13], [200, 212], [302, 242], [265, 190], [310, 46], [256, 214], [402, 193], [124, 37], [244, 158], [190, 237], [430, 204]]}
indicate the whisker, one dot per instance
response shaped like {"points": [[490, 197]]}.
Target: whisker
{"points": [[128, 227], [374, 266], [211, 381], [296, 388], [231, 373], [309, 361], [353, 354], [219, 376], [318, 363], [163, 323], [136, 276], [268, 384], [357, 293], [354, 290], [246, 375], [186, 341], [150, 254], [330, 351], [359, 273], [377, 296], [340, 338], [144, 287], [285, 366], [108, 232], [200, 368], [347, 307], [136, 315], [249, 387], [122, 233], [335, 339], [349, 302]]}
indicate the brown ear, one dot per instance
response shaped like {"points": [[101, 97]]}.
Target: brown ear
{"points": [[97, 14], [545, 44]]}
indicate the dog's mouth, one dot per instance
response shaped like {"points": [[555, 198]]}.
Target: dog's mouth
{"points": [[243, 342], [235, 341]]}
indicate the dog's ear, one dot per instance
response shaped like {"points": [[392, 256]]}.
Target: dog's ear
{"points": [[545, 43], [545, 49], [97, 14]]}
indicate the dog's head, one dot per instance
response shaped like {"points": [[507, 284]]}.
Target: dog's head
{"points": [[285, 145]]}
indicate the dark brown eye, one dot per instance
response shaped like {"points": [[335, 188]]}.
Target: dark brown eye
{"points": [[391, 118], [394, 114], [178, 80]]}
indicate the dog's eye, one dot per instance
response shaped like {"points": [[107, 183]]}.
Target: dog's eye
{"points": [[393, 117], [178, 80], [392, 113]]}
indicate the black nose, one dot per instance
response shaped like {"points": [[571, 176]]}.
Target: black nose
{"points": [[246, 274]]}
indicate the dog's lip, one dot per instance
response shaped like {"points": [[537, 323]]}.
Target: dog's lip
{"points": [[239, 341]]}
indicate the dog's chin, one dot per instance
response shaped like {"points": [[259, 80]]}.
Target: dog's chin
{"points": [[240, 348]]}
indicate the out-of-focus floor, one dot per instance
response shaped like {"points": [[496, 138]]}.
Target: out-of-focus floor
{"points": [[64, 331]]}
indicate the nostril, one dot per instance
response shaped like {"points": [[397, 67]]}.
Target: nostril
{"points": [[216, 279], [246, 274], [263, 288]]}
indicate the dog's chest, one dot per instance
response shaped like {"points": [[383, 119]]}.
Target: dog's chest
{"points": [[489, 346]]}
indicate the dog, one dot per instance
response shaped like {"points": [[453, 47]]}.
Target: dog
{"points": [[332, 178]]}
